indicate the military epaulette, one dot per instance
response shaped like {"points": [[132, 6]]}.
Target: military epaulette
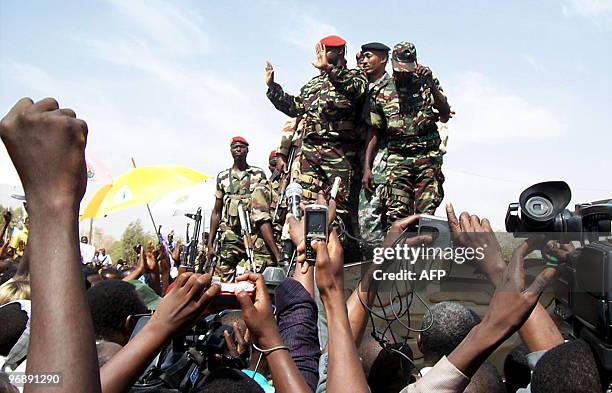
{"points": [[257, 171], [224, 174]]}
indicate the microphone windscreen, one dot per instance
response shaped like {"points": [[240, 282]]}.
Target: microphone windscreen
{"points": [[294, 189]]}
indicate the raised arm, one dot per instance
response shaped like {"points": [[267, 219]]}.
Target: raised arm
{"points": [[262, 326], [47, 147], [539, 332], [290, 105], [344, 364]]}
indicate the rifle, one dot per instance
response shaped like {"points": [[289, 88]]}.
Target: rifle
{"points": [[286, 176], [245, 229], [191, 245], [285, 179]]}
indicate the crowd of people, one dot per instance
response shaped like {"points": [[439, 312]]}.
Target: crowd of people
{"points": [[93, 327]]}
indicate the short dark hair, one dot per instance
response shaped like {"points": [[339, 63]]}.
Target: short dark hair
{"points": [[111, 273], [516, 368], [227, 380], [486, 380], [569, 367], [449, 323], [111, 302], [386, 369]]}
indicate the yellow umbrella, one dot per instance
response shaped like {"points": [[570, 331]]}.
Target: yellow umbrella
{"points": [[140, 186]]}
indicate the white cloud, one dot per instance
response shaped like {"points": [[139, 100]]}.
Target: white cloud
{"points": [[486, 114], [598, 11], [535, 64], [165, 25], [305, 29]]}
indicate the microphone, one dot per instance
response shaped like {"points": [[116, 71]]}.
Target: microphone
{"points": [[294, 196]]}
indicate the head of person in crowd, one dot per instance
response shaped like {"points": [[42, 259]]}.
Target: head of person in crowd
{"points": [[103, 252], [516, 368], [84, 240], [335, 49], [239, 148], [112, 303], [386, 370], [374, 59], [14, 290], [272, 161], [404, 62], [91, 276], [569, 367], [359, 60], [14, 334], [170, 237], [444, 327], [227, 380], [486, 380], [106, 350], [111, 273]]}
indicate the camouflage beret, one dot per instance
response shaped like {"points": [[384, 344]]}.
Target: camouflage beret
{"points": [[404, 57]]}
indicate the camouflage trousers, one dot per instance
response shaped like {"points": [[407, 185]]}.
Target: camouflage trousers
{"points": [[320, 165], [372, 218], [232, 254], [414, 184]]}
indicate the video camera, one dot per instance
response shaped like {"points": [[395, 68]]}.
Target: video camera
{"points": [[583, 291]]}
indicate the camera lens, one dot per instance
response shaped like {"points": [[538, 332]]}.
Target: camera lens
{"points": [[538, 207]]}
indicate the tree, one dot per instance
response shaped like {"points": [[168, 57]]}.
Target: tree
{"points": [[18, 217], [132, 236]]}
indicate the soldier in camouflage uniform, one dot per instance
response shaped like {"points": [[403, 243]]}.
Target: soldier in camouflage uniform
{"points": [[237, 186], [406, 109], [373, 60], [328, 105]]}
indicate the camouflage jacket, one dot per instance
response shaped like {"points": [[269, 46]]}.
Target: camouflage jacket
{"points": [[328, 104], [405, 114], [235, 187]]}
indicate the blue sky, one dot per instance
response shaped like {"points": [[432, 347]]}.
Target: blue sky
{"points": [[171, 82]]}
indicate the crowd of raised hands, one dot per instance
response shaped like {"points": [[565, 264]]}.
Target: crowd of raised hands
{"points": [[46, 143]]}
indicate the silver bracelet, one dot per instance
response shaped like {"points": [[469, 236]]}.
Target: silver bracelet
{"points": [[269, 351]]}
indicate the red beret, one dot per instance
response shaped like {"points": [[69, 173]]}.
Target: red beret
{"points": [[272, 155], [333, 40], [239, 139]]}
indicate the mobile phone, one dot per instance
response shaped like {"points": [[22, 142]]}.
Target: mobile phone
{"points": [[437, 228], [315, 228]]}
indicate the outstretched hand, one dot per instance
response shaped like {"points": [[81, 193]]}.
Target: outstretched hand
{"points": [[321, 63], [512, 303], [185, 303], [471, 231], [269, 74], [258, 315]]}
